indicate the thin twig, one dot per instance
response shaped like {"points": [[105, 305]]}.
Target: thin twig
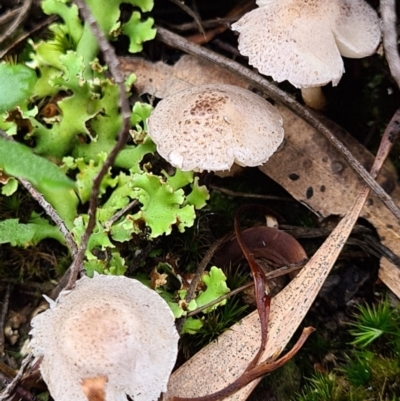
{"points": [[269, 276], [112, 61], [9, 16], [190, 12], [19, 390], [201, 267], [52, 213], [249, 195], [282, 97], [261, 288], [208, 24], [10, 389], [3, 314], [372, 242], [23, 14], [26, 35], [389, 34], [29, 285], [198, 275], [120, 213], [237, 11], [221, 298], [317, 232]]}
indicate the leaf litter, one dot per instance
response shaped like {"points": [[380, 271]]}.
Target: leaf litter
{"points": [[338, 185], [322, 261]]}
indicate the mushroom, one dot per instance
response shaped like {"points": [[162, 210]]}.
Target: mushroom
{"points": [[109, 337], [209, 127], [302, 40]]}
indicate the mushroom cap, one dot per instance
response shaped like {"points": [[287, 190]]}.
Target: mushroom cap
{"points": [[210, 127], [108, 327], [302, 41]]}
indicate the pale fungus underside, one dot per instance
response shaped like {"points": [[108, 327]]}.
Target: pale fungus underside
{"points": [[303, 41], [210, 127], [110, 334]]}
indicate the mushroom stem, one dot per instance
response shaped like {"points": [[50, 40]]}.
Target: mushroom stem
{"points": [[94, 388], [313, 97]]}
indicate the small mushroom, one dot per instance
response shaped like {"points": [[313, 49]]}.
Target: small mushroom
{"points": [[109, 337], [210, 127], [302, 41]]}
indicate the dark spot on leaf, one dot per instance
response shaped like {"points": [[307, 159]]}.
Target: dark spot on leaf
{"points": [[294, 177], [309, 192], [337, 167]]}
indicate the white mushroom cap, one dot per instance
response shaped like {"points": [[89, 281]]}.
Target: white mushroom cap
{"points": [[109, 329], [210, 127], [301, 41]]}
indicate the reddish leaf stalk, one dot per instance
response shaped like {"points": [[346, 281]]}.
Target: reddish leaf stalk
{"points": [[252, 374], [263, 300], [323, 260]]}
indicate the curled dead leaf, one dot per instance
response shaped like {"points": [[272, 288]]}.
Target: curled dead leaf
{"points": [[264, 242]]}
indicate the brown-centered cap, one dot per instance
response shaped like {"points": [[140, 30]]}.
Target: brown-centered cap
{"points": [[210, 127], [109, 331], [302, 41]]}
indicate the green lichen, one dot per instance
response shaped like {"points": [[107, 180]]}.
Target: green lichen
{"points": [[69, 145], [16, 84]]}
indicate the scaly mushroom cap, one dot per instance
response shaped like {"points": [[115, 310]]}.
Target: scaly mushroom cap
{"points": [[209, 127], [110, 330], [301, 41]]}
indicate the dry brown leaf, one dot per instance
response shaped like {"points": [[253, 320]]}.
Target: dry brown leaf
{"points": [[264, 242], [314, 173], [288, 309], [161, 80], [310, 169]]}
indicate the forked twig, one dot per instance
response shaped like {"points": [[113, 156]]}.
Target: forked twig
{"points": [[113, 64], [237, 11], [190, 12], [280, 96]]}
